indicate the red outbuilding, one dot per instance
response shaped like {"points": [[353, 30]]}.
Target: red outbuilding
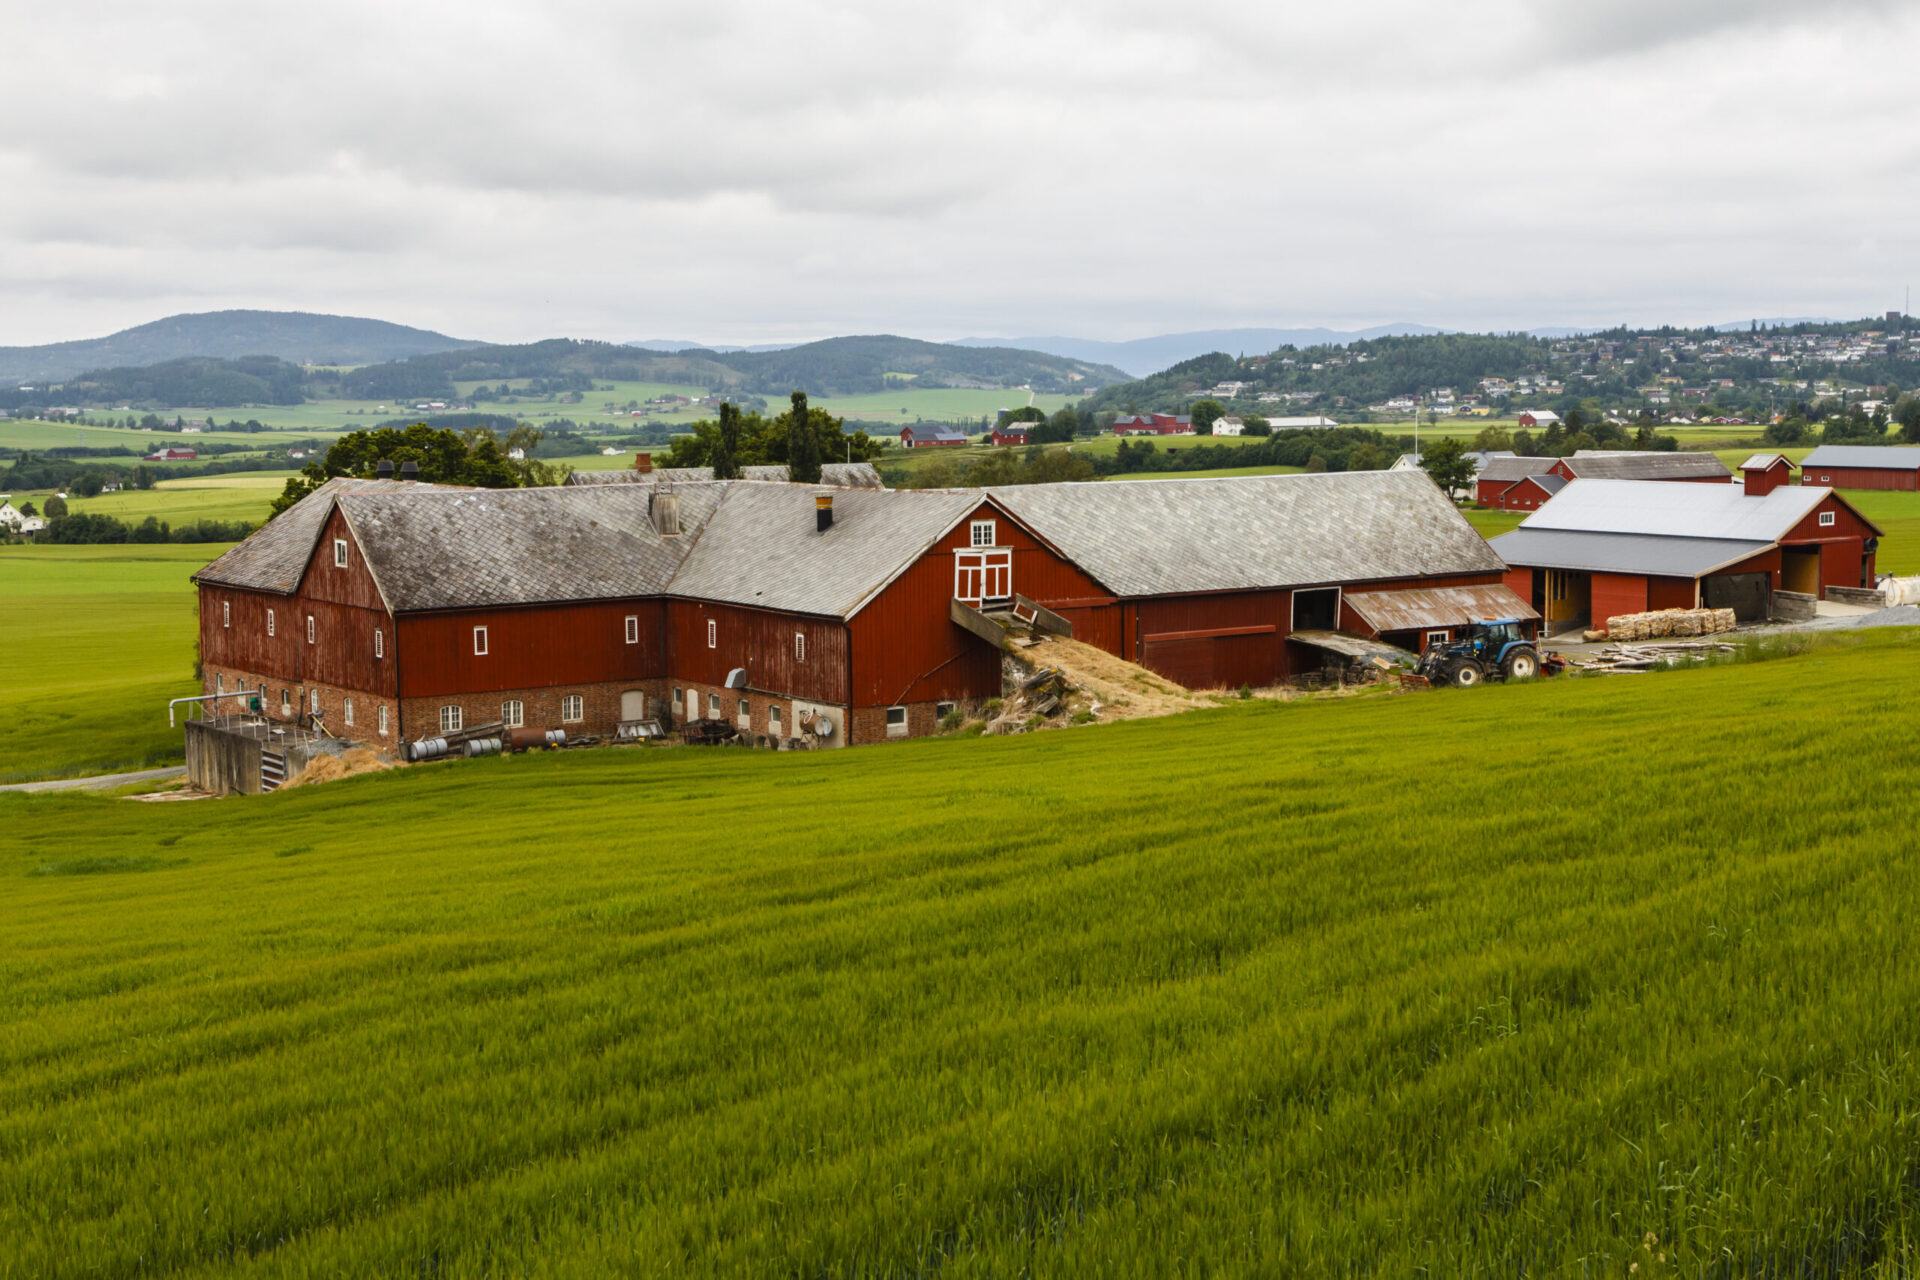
{"points": [[1856, 466], [1013, 433], [920, 437]]}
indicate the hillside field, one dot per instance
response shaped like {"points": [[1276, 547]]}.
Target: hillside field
{"points": [[98, 639], [1310, 988]]}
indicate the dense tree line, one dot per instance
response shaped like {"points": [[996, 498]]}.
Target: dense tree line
{"points": [[197, 380], [757, 440], [86, 528], [478, 458]]}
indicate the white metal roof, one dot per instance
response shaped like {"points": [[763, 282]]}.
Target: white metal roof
{"points": [[1663, 509], [1862, 455]]}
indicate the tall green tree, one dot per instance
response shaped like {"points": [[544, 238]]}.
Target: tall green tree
{"points": [[726, 444], [1204, 414], [803, 446], [1447, 462]]}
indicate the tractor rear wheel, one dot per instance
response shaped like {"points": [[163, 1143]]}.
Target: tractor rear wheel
{"points": [[1462, 673], [1521, 664]]}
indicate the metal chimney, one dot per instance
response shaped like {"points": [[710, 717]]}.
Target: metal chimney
{"points": [[822, 512], [409, 470], [385, 469]]}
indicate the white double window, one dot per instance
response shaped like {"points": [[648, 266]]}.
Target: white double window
{"points": [[513, 713], [451, 719], [573, 709]]}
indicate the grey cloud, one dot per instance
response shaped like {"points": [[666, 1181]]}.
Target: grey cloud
{"points": [[1604, 28]]}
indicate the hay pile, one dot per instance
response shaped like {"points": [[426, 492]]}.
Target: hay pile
{"points": [[333, 768], [1669, 622]]}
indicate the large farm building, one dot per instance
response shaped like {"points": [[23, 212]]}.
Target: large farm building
{"points": [[397, 610], [1525, 484], [1602, 548], [1862, 466]]}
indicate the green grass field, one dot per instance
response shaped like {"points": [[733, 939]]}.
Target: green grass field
{"points": [[1539, 982], [98, 638]]}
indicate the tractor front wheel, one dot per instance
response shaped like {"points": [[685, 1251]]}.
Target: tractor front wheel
{"points": [[1463, 674], [1521, 664]]}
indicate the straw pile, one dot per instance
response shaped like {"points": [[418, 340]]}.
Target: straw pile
{"points": [[1669, 622]]}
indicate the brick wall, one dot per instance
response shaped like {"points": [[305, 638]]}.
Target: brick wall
{"points": [[541, 708], [333, 704]]}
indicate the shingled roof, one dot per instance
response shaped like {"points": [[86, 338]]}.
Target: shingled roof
{"points": [[851, 475], [1602, 464], [762, 547], [274, 557], [1171, 537]]}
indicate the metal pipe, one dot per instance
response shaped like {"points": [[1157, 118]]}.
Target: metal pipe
{"points": [[208, 697]]}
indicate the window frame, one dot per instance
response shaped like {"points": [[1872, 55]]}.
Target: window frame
{"points": [[513, 713], [379, 643], [383, 719], [310, 630], [1438, 637], [313, 702], [1829, 519], [346, 712], [713, 706], [713, 634], [479, 642], [897, 729], [941, 710], [799, 646], [453, 718], [573, 708], [633, 628], [226, 614], [269, 622], [286, 702], [340, 553], [773, 717], [991, 529]]}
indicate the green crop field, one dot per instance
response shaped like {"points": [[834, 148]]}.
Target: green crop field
{"points": [[98, 638], [1540, 982], [241, 495]]}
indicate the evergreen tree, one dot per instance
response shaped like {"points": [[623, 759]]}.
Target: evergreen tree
{"points": [[726, 445], [803, 450]]}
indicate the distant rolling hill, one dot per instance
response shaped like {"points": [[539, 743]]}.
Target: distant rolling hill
{"points": [[296, 336], [1143, 356]]}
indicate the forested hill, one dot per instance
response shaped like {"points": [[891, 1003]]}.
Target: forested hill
{"points": [[836, 366], [1665, 371], [301, 337]]}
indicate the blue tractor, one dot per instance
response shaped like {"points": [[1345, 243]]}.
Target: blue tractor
{"points": [[1490, 650]]}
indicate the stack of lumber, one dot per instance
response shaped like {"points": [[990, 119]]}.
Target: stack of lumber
{"points": [[1630, 658], [1668, 622]]}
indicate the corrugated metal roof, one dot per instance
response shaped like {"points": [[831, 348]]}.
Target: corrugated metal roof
{"points": [[274, 556], [1170, 537], [1516, 468], [852, 475], [1420, 607], [1550, 482], [438, 548], [1622, 552], [1863, 455], [762, 547], [1348, 645], [1601, 464], [1676, 510], [1765, 461]]}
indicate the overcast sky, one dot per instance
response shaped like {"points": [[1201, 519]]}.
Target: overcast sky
{"points": [[759, 171]]}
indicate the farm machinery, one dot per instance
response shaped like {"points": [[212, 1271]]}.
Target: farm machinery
{"points": [[1489, 650]]}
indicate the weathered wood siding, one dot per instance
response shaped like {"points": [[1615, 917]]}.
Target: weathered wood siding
{"points": [[530, 647], [762, 642]]}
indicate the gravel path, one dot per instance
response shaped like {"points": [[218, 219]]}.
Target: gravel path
{"points": [[100, 783]]}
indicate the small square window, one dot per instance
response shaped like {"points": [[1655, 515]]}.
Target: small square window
{"points": [[573, 708], [982, 534], [379, 643], [383, 719], [633, 629], [799, 646], [676, 695], [339, 553], [1436, 637], [513, 714], [1826, 519], [713, 634], [226, 613], [941, 710], [713, 706], [479, 642], [451, 718], [269, 622], [746, 712], [896, 722], [309, 628], [346, 712]]}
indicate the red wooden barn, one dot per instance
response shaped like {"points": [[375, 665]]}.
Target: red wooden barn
{"points": [[1602, 548], [1223, 582], [931, 437], [1493, 483], [1153, 424], [1013, 433], [1858, 466]]}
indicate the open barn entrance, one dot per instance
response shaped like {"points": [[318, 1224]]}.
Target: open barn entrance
{"points": [[1317, 610], [1568, 603], [1747, 594], [1800, 570]]}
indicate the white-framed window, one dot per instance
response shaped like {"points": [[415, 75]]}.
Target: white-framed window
{"points": [[479, 642], [1436, 637], [286, 703], [309, 628], [226, 613], [676, 695], [573, 708], [383, 719], [896, 722], [339, 553], [941, 710], [981, 534], [1824, 479], [219, 683], [1826, 520], [269, 622], [746, 709], [379, 643], [713, 706], [799, 646], [313, 701], [633, 629], [346, 711], [450, 719], [982, 575], [513, 714], [773, 717], [713, 634]]}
